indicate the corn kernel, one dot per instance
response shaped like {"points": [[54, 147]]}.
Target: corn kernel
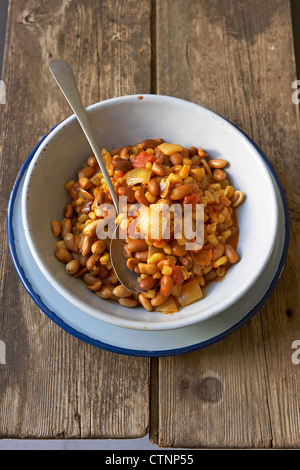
{"points": [[157, 275], [220, 261], [226, 234], [197, 173], [174, 178], [92, 215], [105, 258], [149, 166], [150, 294], [69, 184], [210, 198], [213, 239], [167, 270], [151, 151], [87, 222], [109, 265], [184, 172], [167, 249], [155, 258]]}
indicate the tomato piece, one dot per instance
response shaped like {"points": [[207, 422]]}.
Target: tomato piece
{"points": [[177, 275], [192, 198], [142, 159]]}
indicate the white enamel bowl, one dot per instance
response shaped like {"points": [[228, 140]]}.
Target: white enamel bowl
{"points": [[128, 120]]}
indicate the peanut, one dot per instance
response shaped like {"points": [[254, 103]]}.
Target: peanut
{"points": [[166, 285], [69, 211], [177, 250], [98, 247], [149, 143], [176, 158], [141, 198], [132, 263], [125, 152], [55, 227], [217, 163], [232, 256], [72, 266], [147, 283], [219, 175], [154, 187], [146, 303], [66, 226], [92, 260], [121, 291], [158, 300], [122, 164], [94, 287], [180, 191], [130, 303], [142, 255], [158, 169], [137, 245], [69, 240], [86, 244], [146, 268], [104, 292], [217, 251], [89, 279], [127, 192], [63, 255]]}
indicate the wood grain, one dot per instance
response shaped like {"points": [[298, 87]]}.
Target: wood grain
{"points": [[53, 385], [237, 58]]}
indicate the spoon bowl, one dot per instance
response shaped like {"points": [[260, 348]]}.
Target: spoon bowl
{"points": [[65, 79]]}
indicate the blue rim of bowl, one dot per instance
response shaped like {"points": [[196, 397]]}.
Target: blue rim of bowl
{"points": [[132, 352]]}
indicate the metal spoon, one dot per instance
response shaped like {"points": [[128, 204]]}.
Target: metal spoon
{"points": [[65, 79]]}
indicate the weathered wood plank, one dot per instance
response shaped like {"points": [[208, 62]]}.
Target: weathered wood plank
{"points": [[236, 58], [52, 384]]}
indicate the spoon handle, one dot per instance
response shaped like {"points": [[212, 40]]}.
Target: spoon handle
{"points": [[65, 79]]}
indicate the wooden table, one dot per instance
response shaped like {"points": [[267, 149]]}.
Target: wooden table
{"points": [[235, 57]]}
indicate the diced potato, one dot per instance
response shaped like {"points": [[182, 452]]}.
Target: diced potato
{"points": [[190, 292]]}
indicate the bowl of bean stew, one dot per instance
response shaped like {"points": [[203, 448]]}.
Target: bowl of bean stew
{"points": [[199, 212]]}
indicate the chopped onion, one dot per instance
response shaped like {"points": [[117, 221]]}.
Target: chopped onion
{"points": [[169, 306], [137, 176], [152, 223], [190, 292]]}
